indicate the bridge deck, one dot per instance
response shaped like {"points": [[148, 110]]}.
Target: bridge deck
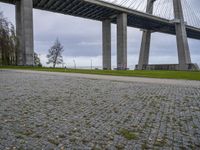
{"points": [[99, 10]]}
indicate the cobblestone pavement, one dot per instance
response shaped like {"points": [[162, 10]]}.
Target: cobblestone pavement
{"points": [[48, 111]]}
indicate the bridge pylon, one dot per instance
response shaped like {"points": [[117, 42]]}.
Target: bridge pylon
{"points": [[146, 41], [24, 31], [181, 36], [181, 39]]}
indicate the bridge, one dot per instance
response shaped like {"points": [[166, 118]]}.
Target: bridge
{"points": [[108, 13]]}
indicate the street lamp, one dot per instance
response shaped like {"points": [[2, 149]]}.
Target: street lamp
{"points": [[91, 64], [74, 64]]}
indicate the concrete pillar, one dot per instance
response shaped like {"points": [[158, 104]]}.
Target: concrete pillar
{"points": [[146, 40], [122, 41], [24, 30], [106, 29], [181, 36], [144, 49]]}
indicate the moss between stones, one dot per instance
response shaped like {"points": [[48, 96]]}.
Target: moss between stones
{"points": [[129, 135]]}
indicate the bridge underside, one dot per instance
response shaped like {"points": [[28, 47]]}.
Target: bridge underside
{"points": [[98, 10]]}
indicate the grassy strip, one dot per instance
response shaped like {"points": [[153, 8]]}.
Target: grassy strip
{"points": [[187, 75]]}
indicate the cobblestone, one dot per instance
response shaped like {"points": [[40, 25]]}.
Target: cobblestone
{"points": [[54, 111]]}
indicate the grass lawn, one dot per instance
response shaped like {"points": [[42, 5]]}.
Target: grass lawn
{"points": [[188, 75]]}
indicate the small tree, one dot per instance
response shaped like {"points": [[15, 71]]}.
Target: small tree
{"points": [[37, 61], [55, 54]]}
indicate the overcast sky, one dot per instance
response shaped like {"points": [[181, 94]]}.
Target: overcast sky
{"points": [[82, 39]]}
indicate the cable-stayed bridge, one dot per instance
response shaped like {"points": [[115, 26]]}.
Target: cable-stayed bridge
{"points": [[166, 16], [163, 9]]}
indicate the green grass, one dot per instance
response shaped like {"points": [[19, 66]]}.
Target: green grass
{"points": [[187, 75], [129, 135]]}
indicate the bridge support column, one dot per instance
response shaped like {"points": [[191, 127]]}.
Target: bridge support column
{"points": [[181, 36], [122, 41], [106, 27], [144, 50], [24, 30], [146, 40]]}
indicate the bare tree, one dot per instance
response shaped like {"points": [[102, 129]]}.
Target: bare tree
{"points": [[8, 42], [55, 54], [37, 61]]}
